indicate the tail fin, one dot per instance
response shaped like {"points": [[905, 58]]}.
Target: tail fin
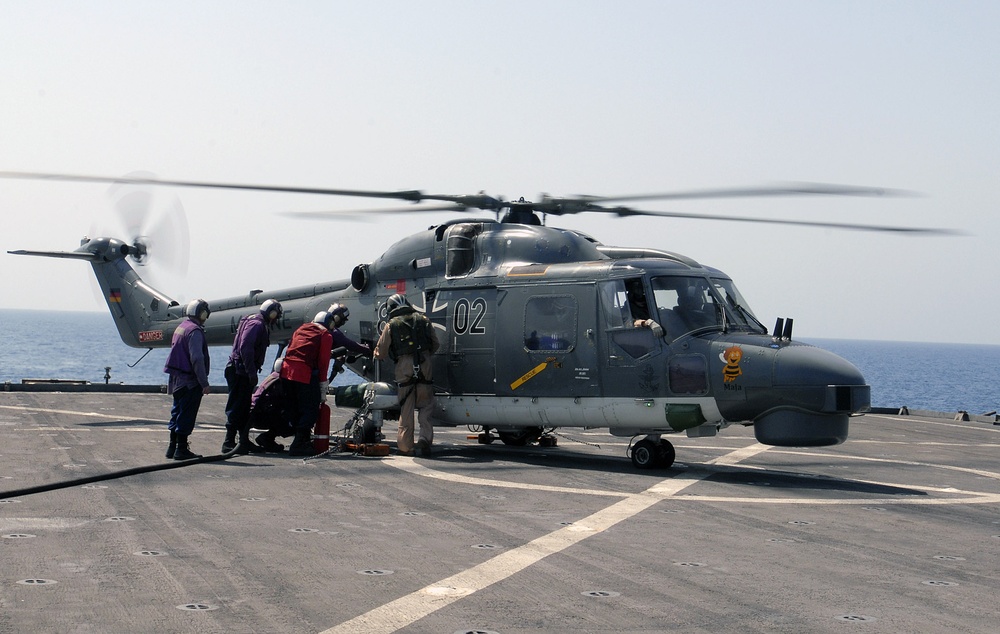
{"points": [[144, 316]]}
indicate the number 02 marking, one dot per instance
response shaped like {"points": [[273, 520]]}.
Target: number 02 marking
{"points": [[469, 316]]}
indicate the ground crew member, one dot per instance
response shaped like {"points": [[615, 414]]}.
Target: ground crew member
{"points": [[187, 365], [269, 411], [303, 376], [409, 340], [340, 340], [249, 347]]}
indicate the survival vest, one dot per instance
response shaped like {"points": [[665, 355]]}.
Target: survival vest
{"points": [[410, 335]]}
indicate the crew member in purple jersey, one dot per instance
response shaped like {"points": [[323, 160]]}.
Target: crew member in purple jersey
{"points": [[187, 365], [242, 371]]}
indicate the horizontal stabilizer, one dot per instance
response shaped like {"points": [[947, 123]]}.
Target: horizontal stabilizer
{"points": [[75, 255]]}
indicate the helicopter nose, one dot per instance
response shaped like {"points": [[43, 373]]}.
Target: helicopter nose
{"points": [[815, 393]]}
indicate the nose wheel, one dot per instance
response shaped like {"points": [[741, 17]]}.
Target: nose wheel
{"points": [[653, 453]]}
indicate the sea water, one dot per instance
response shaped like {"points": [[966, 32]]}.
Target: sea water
{"points": [[76, 345]]}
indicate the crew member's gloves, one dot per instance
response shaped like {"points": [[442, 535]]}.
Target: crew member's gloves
{"points": [[656, 328], [323, 387]]}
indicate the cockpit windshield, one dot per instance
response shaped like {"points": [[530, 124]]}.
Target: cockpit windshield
{"points": [[687, 304]]}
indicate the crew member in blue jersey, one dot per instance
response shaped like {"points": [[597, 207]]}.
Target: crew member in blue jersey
{"points": [[187, 365], [249, 347]]}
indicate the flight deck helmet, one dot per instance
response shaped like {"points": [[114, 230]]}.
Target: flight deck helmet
{"points": [[198, 309], [396, 301], [325, 318], [271, 310], [340, 314]]}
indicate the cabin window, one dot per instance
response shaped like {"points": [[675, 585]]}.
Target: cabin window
{"points": [[550, 323]]}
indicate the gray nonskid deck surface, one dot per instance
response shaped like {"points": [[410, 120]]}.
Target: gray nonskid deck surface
{"points": [[898, 530]]}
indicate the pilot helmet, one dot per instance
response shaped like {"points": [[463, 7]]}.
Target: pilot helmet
{"points": [[340, 314], [198, 308], [271, 310], [325, 318]]}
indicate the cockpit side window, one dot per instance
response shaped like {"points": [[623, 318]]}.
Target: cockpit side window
{"points": [[621, 309]]}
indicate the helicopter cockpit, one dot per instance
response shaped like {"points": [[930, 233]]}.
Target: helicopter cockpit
{"points": [[688, 304]]}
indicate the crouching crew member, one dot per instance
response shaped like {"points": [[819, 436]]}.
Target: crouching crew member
{"points": [[269, 411], [187, 365], [409, 340], [249, 347], [303, 376]]}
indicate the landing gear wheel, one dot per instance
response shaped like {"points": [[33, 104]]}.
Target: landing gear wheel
{"points": [[665, 455], [646, 454], [520, 437]]}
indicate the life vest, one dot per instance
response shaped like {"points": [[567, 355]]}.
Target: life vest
{"points": [[410, 335]]}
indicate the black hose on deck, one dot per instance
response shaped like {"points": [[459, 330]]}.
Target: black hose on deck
{"points": [[173, 464]]}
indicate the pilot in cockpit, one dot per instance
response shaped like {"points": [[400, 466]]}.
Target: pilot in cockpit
{"points": [[641, 317]]}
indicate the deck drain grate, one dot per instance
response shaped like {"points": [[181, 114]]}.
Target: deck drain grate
{"points": [[854, 618], [120, 518], [375, 572], [801, 523], [150, 553], [476, 632], [485, 546], [940, 584], [37, 582], [253, 499], [17, 536], [94, 486], [349, 485], [10, 501], [949, 557], [197, 607], [600, 594], [690, 564], [303, 530], [412, 513]]}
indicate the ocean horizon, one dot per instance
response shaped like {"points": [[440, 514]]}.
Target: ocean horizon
{"points": [[940, 377]]}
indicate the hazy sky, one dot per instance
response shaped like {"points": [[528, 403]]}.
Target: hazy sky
{"points": [[517, 99]]}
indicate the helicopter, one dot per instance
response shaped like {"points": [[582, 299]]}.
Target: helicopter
{"points": [[543, 327]]}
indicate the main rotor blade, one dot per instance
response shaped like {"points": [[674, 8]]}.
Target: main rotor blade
{"points": [[411, 195], [778, 190], [361, 213], [627, 211]]}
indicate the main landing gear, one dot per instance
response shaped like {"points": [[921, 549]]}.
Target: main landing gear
{"points": [[652, 452], [519, 437]]}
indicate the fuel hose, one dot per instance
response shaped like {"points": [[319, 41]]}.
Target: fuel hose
{"points": [[113, 475]]}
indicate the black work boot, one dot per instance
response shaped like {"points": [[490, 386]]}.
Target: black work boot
{"points": [[303, 444], [172, 446], [230, 442], [244, 446], [266, 442], [183, 451]]}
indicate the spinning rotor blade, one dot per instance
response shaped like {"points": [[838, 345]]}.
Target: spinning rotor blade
{"points": [[411, 195], [627, 211], [548, 205], [360, 214], [785, 189]]}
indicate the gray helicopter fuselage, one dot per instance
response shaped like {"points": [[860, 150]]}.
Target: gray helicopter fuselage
{"points": [[543, 327]]}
